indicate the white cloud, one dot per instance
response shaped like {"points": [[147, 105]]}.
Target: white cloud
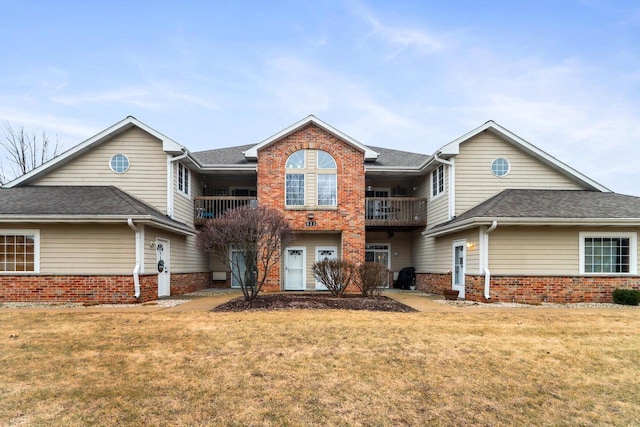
{"points": [[400, 38]]}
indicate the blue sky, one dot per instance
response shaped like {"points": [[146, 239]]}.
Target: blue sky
{"points": [[412, 75]]}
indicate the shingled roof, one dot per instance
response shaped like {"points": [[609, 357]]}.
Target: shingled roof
{"points": [[233, 156], [64, 202], [548, 206]]}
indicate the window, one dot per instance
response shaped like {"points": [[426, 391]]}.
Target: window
{"points": [[608, 253], [327, 190], [500, 167], [295, 189], [296, 160], [183, 179], [19, 251], [326, 161], [119, 163], [313, 178], [437, 181]]}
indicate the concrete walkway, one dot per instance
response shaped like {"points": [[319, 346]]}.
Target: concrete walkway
{"points": [[207, 299]]}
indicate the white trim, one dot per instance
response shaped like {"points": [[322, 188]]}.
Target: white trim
{"points": [[633, 251], [111, 165], [388, 251], [460, 287], [452, 189], [304, 267], [36, 247], [186, 179], [168, 145], [369, 154], [444, 183], [319, 285], [508, 167], [232, 250]]}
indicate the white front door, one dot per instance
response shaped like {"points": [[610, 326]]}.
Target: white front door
{"points": [[325, 253], [294, 270], [459, 265], [164, 271]]}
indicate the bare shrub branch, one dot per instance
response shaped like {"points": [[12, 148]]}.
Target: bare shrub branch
{"points": [[259, 234], [335, 274], [371, 278]]}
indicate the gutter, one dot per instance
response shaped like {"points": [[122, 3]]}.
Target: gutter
{"points": [[485, 259], [136, 268]]}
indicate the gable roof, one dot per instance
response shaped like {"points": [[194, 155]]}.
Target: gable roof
{"points": [[547, 207], [80, 204], [453, 148], [168, 145], [369, 154]]}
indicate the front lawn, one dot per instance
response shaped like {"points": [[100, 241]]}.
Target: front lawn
{"points": [[464, 367]]}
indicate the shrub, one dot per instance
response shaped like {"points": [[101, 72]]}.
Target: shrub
{"points": [[626, 296], [335, 274], [372, 278]]}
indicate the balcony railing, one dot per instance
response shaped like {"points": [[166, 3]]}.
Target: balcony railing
{"points": [[383, 212], [395, 212], [208, 207]]}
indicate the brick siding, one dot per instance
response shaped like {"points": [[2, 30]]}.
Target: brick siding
{"points": [[94, 289], [348, 218], [533, 289]]}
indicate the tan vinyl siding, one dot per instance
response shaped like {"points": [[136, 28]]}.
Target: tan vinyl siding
{"points": [[440, 253], [185, 255], [146, 178], [86, 249], [538, 251], [399, 244], [438, 207], [422, 251], [475, 183]]}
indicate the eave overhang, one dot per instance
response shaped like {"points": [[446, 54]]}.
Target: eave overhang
{"points": [[511, 221], [101, 219]]}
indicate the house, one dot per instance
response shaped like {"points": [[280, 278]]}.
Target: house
{"points": [[115, 218]]}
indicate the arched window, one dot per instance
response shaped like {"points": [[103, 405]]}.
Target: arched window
{"points": [[314, 170]]}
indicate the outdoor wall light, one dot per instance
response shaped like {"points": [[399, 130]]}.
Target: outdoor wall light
{"points": [[471, 245]]}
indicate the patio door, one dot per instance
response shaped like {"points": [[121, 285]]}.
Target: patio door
{"points": [[325, 253], [380, 253], [163, 266], [459, 265], [294, 269]]}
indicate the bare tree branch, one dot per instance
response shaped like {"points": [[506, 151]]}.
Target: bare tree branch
{"points": [[23, 151], [259, 235]]}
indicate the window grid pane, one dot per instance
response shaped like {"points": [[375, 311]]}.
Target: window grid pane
{"points": [[606, 255], [327, 191], [17, 253], [326, 161], [296, 160], [294, 187]]}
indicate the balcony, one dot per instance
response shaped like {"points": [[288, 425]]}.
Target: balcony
{"points": [[381, 213], [209, 207], [400, 213]]}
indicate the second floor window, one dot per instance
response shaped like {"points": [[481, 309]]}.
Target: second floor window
{"points": [[311, 179], [183, 179], [437, 181]]}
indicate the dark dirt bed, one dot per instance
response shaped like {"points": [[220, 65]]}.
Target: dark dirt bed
{"points": [[314, 302]]}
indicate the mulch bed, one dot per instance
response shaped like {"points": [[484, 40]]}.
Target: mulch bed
{"points": [[313, 302]]}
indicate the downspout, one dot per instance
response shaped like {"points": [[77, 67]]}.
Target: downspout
{"points": [[170, 175], [452, 183], [485, 255], [136, 269]]}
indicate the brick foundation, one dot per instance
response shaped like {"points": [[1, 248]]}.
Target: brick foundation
{"points": [[533, 289], [102, 289]]}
